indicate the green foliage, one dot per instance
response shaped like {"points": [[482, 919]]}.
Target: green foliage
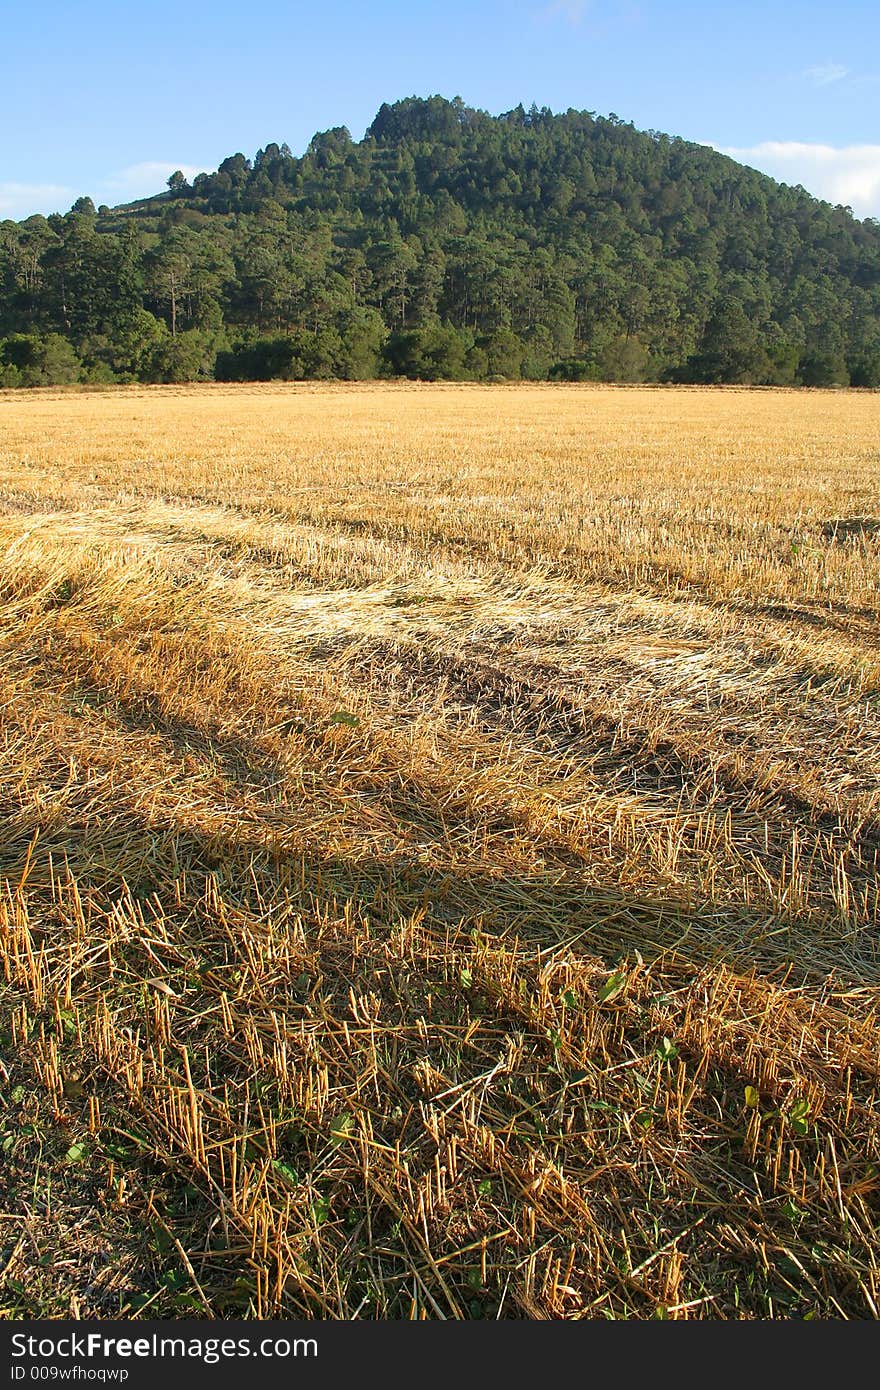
{"points": [[362, 337], [799, 1117], [32, 359], [185, 357], [864, 369], [613, 986], [343, 716], [504, 354], [823, 369], [575, 369], [624, 359], [448, 244], [730, 349], [342, 1128], [438, 353], [782, 363]]}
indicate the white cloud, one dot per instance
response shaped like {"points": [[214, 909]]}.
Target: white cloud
{"points": [[825, 73], [150, 176], [846, 174], [20, 200]]}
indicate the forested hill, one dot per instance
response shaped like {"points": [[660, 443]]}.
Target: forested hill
{"points": [[451, 244]]}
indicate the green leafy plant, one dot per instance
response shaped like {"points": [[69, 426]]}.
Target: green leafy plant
{"points": [[286, 1171], [342, 1127], [612, 987], [799, 1117]]}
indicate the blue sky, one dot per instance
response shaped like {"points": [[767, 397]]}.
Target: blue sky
{"points": [[104, 98]]}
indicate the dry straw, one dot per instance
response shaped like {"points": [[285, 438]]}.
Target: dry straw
{"points": [[439, 853]]}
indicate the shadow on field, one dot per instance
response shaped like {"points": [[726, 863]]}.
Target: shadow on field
{"points": [[423, 852], [263, 867], [851, 528], [184, 871], [557, 725], [527, 702]]}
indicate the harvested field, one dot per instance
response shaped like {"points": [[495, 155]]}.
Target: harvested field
{"points": [[439, 852]]}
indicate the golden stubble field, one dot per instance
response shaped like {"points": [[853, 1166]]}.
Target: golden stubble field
{"points": [[438, 849]]}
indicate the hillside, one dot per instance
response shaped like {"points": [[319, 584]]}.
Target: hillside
{"points": [[452, 244]]}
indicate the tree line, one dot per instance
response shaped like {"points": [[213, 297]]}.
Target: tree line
{"points": [[450, 245]]}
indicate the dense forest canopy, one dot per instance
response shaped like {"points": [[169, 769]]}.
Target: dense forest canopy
{"points": [[450, 244]]}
